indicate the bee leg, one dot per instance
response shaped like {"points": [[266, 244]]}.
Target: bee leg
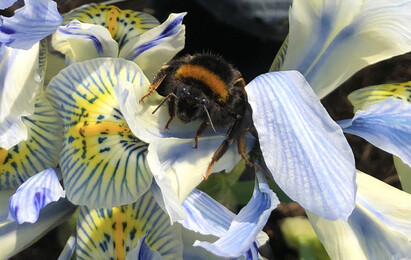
{"points": [[199, 132], [218, 154], [153, 87], [236, 132], [171, 110], [242, 148]]}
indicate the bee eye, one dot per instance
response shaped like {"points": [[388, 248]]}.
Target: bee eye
{"points": [[203, 101]]}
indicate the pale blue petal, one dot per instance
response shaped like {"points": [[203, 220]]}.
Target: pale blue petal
{"points": [[330, 40], [179, 172], [68, 249], [30, 24], [33, 195], [6, 3], [386, 125], [205, 215], [251, 219], [304, 149], [83, 41], [15, 237], [157, 46]]}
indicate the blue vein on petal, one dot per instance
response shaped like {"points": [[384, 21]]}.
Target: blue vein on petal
{"points": [[96, 42], [30, 24], [167, 32]]}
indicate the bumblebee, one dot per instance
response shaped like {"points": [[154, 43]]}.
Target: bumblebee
{"points": [[207, 88]]}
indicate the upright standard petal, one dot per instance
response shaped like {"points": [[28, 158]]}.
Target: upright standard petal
{"points": [[30, 24], [40, 151], [330, 40], [386, 125], [246, 225], [379, 227], [124, 25], [103, 164], [33, 195], [304, 149], [157, 46], [115, 232], [83, 41], [15, 237], [17, 92]]}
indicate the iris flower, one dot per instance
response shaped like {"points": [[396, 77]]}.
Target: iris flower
{"points": [[304, 149]]}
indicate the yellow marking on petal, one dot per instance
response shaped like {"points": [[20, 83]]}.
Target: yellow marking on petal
{"points": [[119, 233], [122, 24], [102, 162], [100, 128], [112, 20], [200, 73], [3, 155], [114, 232], [40, 151], [365, 97]]}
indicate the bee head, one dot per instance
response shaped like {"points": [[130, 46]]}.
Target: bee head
{"points": [[191, 103]]}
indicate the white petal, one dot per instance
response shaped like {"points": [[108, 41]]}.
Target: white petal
{"points": [[83, 41], [157, 46], [145, 125], [330, 40], [304, 149], [17, 92], [178, 168]]}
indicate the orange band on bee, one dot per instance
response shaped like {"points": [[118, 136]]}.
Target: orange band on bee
{"points": [[212, 80]]}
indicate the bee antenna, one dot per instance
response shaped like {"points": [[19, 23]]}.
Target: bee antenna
{"points": [[209, 118], [164, 100]]}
